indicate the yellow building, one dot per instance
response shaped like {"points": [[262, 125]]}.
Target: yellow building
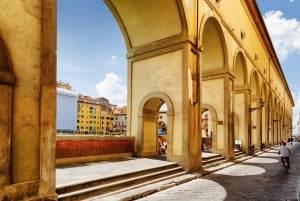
{"points": [[107, 122], [88, 115]]}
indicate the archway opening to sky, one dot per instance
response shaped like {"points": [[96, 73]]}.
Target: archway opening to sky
{"points": [[91, 54], [91, 60], [91, 77]]}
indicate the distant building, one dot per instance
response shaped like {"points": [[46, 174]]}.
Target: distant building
{"points": [[107, 122], [120, 115], [66, 110], [81, 114], [104, 102], [89, 115]]}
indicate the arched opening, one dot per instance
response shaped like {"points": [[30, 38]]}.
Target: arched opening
{"points": [[270, 122], [213, 60], [213, 54], [264, 116], [91, 60], [209, 129], [255, 120], [206, 130], [277, 118], [92, 68], [154, 140], [240, 101], [240, 70]]}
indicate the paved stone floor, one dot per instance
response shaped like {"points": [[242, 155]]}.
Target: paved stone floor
{"points": [[89, 171], [260, 178]]}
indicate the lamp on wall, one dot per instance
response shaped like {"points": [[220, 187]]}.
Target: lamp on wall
{"points": [[261, 105]]}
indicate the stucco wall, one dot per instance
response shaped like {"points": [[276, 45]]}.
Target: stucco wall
{"points": [[159, 74], [30, 38]]}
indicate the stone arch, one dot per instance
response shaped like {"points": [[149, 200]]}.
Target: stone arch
{"points": [[254, 84], [240, 70], [147, 123], [213, 44], [6, 88], [270, 123], [213, 120], [240, 98], [280, 122], [158, 15], [264, 110], [277, 118], [213, 60], [255, 114]]}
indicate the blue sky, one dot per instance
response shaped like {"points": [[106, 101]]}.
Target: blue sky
{"points": [[282, 18], [91, 54]]}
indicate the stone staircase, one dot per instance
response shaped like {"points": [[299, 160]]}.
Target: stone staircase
{"points": [[216, 162], [213, 160], [240, 155], [137, 184], [128, 186]]}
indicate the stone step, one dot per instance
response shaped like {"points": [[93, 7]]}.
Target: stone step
{"points": [[211, 161], [137, 184], [116, 183], [239, 154], [140, 191], [218, 162]]}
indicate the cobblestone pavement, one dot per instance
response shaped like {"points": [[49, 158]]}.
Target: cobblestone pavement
{"points": [[260, 178]]}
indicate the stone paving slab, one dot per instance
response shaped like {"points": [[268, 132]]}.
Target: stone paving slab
{"points": [[69, 175], [259, 178], [91, 171], [142, 191], [256, 178]]}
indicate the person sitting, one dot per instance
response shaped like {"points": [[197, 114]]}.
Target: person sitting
{"points": [[162, 146]]}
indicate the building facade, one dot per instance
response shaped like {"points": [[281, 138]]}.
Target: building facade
{"points": [[88, 115], [120, 123], [107, 122], [120, 120], [66, 108]]}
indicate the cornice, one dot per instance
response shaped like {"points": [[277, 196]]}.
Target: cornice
{"points": [[259, 22]]}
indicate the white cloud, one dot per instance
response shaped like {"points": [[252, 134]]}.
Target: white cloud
{"points": [[112, 89], [113, 62], [285, 33]]}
